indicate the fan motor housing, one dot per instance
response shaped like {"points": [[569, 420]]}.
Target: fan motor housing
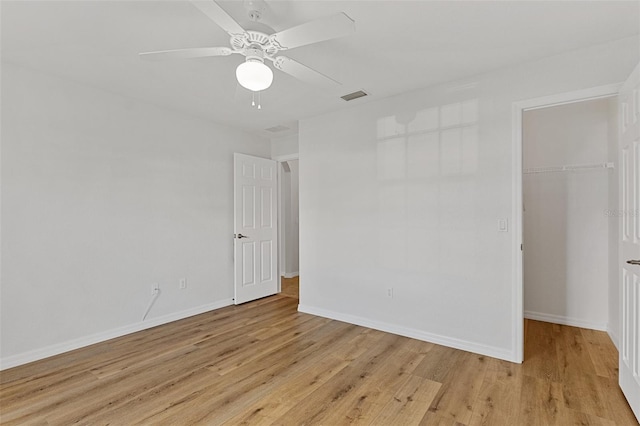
{"points": [[252, 40], [254, 54]]}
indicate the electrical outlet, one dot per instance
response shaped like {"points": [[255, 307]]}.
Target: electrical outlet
{"points": [[155, 288], [390, 293], [183, 283]]}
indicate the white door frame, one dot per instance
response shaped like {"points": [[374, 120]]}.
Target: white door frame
{"points": [[518, 108], [282, 249]]}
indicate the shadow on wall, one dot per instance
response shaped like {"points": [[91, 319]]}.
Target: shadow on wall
{"points": [[426, 162]]}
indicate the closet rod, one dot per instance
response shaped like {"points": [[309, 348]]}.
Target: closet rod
{"points": [[568, 168]]}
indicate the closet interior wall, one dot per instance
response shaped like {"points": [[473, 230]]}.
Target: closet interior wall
{"points": [[570, 226], [290, 223]]}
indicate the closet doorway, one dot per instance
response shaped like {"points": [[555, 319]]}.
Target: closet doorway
{"points": [[569, 222], [289, 217]]}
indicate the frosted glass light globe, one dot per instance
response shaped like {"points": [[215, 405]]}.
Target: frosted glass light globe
{"points": [[254, 75]]}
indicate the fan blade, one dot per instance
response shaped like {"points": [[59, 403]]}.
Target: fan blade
{"points": [[335, 26], [219, 16], [303, 72], [196, 52]]}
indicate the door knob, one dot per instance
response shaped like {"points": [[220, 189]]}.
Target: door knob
{"points": [[633, 262], [241, 236]]}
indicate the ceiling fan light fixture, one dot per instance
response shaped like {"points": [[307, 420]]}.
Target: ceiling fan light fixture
{"points": [[254, 75]]}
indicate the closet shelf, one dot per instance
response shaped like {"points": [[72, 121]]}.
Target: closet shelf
{"points": [[568, 168]]}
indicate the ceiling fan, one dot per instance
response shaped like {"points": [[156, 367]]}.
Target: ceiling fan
{"points": [[257, 46]]}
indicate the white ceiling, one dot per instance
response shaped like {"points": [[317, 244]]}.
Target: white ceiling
{"points": [[398, 46]]}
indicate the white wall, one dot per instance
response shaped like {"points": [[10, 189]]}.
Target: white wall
{"points": [[101, 197], [285, 146], [294, 222], [566, 228], [284, 216], [613, 325], [289, 216], [407, 192]]}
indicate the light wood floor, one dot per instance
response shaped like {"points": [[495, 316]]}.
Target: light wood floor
{"points": [[265, 363], [290, 287]]}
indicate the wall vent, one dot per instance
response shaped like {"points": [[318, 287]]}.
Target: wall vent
{"points": [[276, 129], [355, 95]]}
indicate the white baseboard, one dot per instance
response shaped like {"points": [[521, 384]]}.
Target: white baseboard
{"points": [[38, 354], [558, 319], [290, 274], [413, 333]]}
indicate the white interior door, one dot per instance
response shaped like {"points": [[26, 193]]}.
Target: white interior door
{"points": [[255, 227], [629, 111]]}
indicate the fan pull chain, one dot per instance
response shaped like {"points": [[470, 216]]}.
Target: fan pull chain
{"points": [[253, 100]]}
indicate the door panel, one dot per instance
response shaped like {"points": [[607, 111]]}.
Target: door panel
{"points": [[248, 207], [266, 249], [629, 157], [255, 235], [266, 197], [247, 263]]}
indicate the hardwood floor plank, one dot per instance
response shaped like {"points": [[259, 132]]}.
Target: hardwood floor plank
{"points": [[497, 401], [615, 406], [120, 383], [122, 364], [249, 353], [410, 403], [109, 393], [573, 356], [228, 397], [602, 353], [344, 385], [438, 363], [571, 417], [460, 391], [434, 419], [265, 363], [580, 392], [226, 319], [540, 402], [138, 406], [274, 405], [351, 344], [372, 395], [540, 351], [359, 344], [290, 287], [26, 405]]}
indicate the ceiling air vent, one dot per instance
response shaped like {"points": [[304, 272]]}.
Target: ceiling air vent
{"points": [[276, 129], [354, 95]]}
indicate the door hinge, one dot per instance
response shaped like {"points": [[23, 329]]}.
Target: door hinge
{"points": [[521, 247]]}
